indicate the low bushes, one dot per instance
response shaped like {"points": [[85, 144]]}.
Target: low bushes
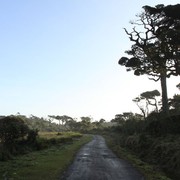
{"points": [[163, 152], [155, 140], [43, 143], [16, 138], [121, 150], [156, 125]]}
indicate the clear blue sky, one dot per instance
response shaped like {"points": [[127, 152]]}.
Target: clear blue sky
{"points": [[60, 57]]}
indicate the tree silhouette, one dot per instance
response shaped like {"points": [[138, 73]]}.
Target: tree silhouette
{"points": [[156, 50], [62, 119], [150, 99]]}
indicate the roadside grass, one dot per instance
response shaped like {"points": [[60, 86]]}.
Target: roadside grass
{"points": [[150, 172], [49, 135], [47, 164]]}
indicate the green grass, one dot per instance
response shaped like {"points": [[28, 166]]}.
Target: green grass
{"points": [[49, 135], [46, 164], [150, 172]]}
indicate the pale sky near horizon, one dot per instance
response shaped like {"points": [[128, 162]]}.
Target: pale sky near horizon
{"points": [[60, 57]]}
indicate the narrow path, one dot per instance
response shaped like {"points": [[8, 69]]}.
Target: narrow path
{"points": [[95, 161]]}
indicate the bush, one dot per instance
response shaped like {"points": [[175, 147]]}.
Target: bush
{"points": [[156, 125], [166, 153], [32, 135], [11, 129], [15, 137], [4, 153]]}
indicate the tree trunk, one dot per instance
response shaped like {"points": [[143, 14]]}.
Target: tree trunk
{"points": [[165, 106]]}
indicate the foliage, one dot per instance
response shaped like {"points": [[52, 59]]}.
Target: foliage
{"points": [[41, 124], [150, 96], [11, 129], [57, 123], [117, 143], [72, 125], [85, 124], [145, 99], [155, 51], [45, 164], [128, 123], [174, 103], [155, 140], [32, 136], [63, 120], [156, 125], [159, 43], [15, 137]]}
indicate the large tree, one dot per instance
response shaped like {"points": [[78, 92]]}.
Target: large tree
{"points": [[156, 46]]}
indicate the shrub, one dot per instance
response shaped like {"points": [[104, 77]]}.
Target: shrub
{"points": [[156, 125], [32, 135], [5, 154], [11, 129]]}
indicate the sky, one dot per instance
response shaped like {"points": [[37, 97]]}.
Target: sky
{"points": [[60, 57]]}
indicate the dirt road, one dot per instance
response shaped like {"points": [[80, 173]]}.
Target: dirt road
{"points": [[95, 161]]}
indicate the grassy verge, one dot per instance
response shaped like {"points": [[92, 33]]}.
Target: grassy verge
{"points": [[150, 172], [50, 135], [42, 165]]}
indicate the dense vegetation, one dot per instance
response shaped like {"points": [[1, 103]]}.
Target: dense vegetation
{"points": [[155, 51], [155, 140], [20, 134], [42, 154]]}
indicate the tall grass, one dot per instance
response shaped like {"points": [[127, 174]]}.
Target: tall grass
{"points": [[150, 172]]}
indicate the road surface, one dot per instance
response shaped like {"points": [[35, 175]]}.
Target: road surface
{"points": [[95, 161]]}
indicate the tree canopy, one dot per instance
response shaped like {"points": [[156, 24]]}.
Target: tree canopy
{"points": [[156, 46]]}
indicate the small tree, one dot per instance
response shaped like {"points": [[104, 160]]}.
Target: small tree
{"points": [[143, 109], [119, 119], [62, 120], [99, 124], [85, 123], [72, 125], [150, 99]]}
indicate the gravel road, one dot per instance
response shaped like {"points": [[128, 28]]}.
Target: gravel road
{"points": [[95, 161]]}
